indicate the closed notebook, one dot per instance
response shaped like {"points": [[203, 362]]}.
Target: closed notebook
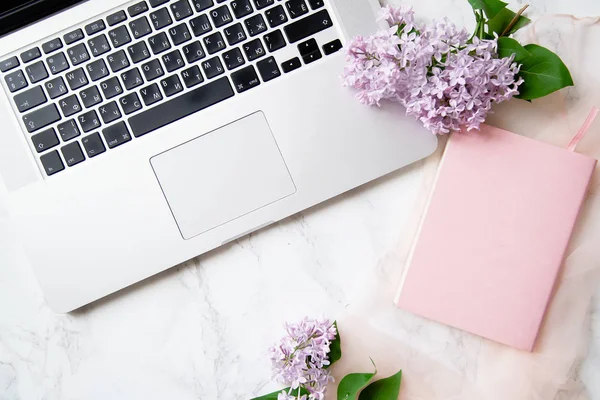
{"points": [[494, 235]]}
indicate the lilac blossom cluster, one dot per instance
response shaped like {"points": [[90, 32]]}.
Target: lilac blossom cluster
{"points": [[300, 359], [443, 77]]}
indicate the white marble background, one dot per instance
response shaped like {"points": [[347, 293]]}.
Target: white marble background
{"points": [[201, 330]]}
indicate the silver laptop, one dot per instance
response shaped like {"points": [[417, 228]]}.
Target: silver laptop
{"points": [[137, 135]]}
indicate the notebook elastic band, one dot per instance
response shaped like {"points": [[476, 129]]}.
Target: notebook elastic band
{"points": [[584, 128]]}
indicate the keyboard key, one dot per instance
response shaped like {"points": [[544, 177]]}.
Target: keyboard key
{"points": [[254, 49], [234, 34], [45, 140], [15, 81], [201, 5], [255, 25], [233, 58], [140, 27], [151, 94], [36, 72], [268, 69], [296, 8], [115, 18], [274, 40], [160, 18], [95, 27], [116, 135], [314, 4], [99, 45], [70, 105], [76, 79], [52, 163], [55, 87], [214, 42], [57, 63], [156, 3], [130, 103], [181, 106], [332, 47], [263, 3], [109, 112], [119, 36], [132, 78], [138, 52], [221, 16], [193, 52], [212, 67], [41, 117], [8, 64], [118, 61], [192, 76], [291, 65], [93, 144], [52, 45], [173, 60], [308, 26], [245, 79], [89, 121], [181, 9], [111, 88], [241, 8], [171, 85], [200, 25], [309, 51], [31, 54], [180, 34], [78, 54], [30, 98], [159, 43], [137, 9], [97, 70], [276, 16], [68, 130], [74, 36], [152, 70], [90, 96], [72, 154]]}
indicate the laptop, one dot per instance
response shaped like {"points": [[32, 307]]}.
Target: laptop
{"points": [[137, 135]]}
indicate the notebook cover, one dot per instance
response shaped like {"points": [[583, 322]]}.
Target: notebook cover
{"points": [[494, 235]]}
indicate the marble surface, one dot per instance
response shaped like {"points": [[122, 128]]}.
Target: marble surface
{"points": [[201, 330]]}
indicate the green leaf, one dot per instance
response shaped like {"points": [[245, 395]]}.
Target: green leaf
{"points": [[335, 349], [508, 46], [499, 22], [543, 73], [352, 384], [274, 395], [489, 7], [383, 389]]}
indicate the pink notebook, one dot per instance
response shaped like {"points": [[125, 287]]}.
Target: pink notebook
{"points": [[494, 235]]}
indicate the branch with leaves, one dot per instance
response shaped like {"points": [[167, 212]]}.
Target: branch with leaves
{"points": [[542, 71], [302, 360], [445, 77]]}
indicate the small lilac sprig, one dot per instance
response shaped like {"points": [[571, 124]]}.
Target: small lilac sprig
{"points": [[443, 77], [300, 359]]}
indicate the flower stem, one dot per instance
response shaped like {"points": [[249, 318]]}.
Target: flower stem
{"points": [[514, 20]]}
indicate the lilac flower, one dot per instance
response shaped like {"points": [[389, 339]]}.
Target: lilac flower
{"points": [[300, 359], [286, 396], [398, 15], [440, 76]]}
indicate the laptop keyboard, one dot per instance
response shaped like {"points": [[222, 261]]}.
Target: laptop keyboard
{"points": [[106, 83]]}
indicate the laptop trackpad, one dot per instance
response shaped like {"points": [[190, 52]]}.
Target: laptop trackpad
{"points": [[223, 175]]}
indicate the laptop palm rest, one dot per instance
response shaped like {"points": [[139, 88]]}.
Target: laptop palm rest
{"points": [[223, 175]]}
